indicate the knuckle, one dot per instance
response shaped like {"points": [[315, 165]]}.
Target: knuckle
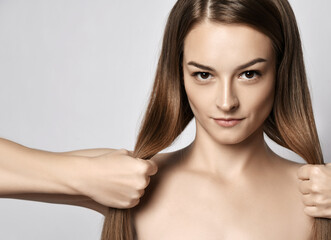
{"points": [[123, 151], [303, 171], [143, 167], [135, 195], [142, 184], [304, 168], [310, 211], [319, 200], [133, 202], [124, 204], [315, 188], [129, 202], [138, 194], [141, 193], [315, 171]]}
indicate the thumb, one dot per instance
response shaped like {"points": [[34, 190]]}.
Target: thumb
{"points": [[152, 170], [303, 172]]}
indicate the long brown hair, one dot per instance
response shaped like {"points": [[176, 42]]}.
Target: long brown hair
{"points": [[291, 122]]}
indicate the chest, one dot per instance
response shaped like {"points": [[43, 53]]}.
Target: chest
{"points": [[205, 210]]}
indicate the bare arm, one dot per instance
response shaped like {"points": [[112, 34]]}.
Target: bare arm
{"points": [[31, 174], [92, 178], [26, 170], [89, 152]]}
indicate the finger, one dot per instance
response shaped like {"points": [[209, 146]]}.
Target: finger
{"points": [[314, 211], [311, 211], [141, 192], [308, 200], [132, 203], [152, 169], [147, 181], [123, 151], [303, 172], [305, 187]]}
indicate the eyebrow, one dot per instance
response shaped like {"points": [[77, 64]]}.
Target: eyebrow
{"points": [[246, 65]]}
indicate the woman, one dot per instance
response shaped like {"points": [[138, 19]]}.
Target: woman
{"points": [[98, 192], [237, 67]]}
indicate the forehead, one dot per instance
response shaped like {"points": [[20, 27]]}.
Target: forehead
{"points": [[213, 43]]}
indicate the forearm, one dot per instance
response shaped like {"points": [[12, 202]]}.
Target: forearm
{"points": [[88, 152], [90, 178], [26, 170]]}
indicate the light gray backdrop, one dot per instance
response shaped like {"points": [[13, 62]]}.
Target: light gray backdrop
{"points": [[76, 74]]}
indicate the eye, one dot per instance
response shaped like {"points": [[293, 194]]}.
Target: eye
{"points": [[202, 76], [249, 75]]}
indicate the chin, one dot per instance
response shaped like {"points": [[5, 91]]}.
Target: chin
{"points": [[233, 138], [230, 140]]}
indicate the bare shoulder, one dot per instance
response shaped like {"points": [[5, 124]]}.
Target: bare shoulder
{"points": [[167, 164], [288, 167], [285, 174], [166, 160], [287, 178]]}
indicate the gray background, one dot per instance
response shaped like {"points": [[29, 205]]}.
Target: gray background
{"points": [[76, 74]]}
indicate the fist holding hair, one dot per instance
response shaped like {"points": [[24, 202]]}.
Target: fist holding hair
{"points": [[127, 178], [92, 178], [315, 186]]}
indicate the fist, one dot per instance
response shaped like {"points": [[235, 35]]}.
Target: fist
{"points": [[315, 186], [116, 179]]}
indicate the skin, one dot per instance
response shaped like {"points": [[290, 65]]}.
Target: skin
{"points": [[314, 185], [92, 178], [227, 184]]}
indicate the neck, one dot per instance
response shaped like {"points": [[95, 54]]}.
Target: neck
{"points": [[227, 160]]}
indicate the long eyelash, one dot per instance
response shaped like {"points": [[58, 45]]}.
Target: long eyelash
{"points": [[194, 74], [258, 75], [197, 73], [257, 72]]}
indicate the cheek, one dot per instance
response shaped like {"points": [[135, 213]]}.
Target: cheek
{"points": [[192, 98], [260, 101], [199, 97]]}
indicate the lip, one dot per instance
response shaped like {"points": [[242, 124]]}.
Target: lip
{"points": [[228, 122]]}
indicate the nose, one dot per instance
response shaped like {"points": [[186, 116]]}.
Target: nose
{"points": [[227, 100]]}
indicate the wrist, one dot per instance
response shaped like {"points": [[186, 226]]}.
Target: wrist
{"points": [[64, 174], [76, 170]]}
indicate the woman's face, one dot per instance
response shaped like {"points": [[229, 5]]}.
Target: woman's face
{"points": [[229, 78]]}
